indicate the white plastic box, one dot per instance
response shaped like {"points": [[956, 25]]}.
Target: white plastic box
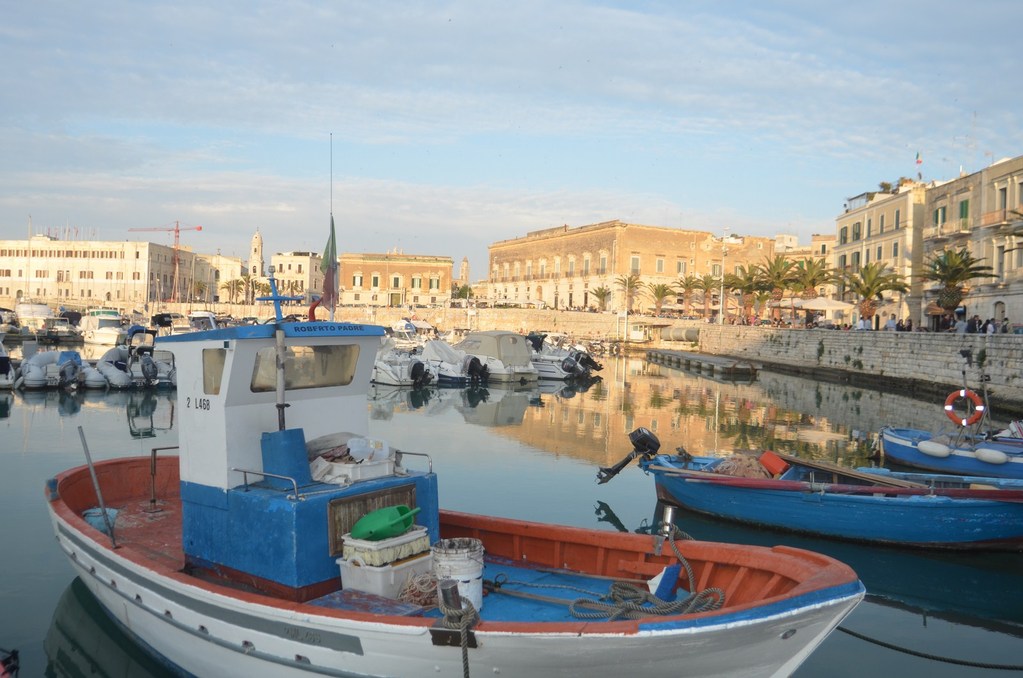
{"points": [[385, 580], [384, 551], [337, 472]]}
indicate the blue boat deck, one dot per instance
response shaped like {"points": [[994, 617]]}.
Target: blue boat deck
{"points": [[548, 594]]}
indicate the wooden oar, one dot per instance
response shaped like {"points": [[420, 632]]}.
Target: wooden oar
{"points": [[1013, 496]]}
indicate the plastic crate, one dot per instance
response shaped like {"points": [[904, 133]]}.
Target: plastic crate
{"points": [[336, 472], [384, 551], [385, 580]]}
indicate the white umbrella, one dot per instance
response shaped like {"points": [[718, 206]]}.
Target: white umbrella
{"points": [[824, 304]]}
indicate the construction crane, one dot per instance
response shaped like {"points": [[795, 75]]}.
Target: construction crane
{"points": [[177, 239]]}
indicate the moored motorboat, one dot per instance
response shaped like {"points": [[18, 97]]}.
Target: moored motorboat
{"points": [[397, 367], [561, 361], [868, 504], [505, 355], [452, 367], [102, 327], [228, 555]]}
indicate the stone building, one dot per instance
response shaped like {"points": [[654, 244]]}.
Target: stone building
{"points": [[298, 274], [886, 227], [983, 212], [395, 279], [562, 267], [124, 274]]}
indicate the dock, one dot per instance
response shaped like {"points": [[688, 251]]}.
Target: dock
{"points": [[714, 366]]}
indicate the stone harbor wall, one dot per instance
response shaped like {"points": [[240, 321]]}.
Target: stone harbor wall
{"points": [[921, 364]]}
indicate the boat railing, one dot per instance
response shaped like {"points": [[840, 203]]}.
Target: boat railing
{"points": [[294, 484], [399, 454], [152, 476]]}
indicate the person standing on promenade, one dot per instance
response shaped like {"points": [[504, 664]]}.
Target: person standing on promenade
{"points": [[891, 325], [961, 326]]}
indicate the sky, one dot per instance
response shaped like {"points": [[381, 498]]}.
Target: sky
{"points": [[438, 128]]}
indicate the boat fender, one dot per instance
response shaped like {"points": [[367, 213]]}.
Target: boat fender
{"points": [[933, 449], [978, 407], [990, 455], [774, 464]]}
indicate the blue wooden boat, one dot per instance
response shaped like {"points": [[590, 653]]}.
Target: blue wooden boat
{"points": [[960, 453], [867, 505]]}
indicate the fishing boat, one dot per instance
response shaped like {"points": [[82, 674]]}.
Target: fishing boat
{"points": [[956, 452], [967, 444], [229, 554], [876, 505], [506, 355]]}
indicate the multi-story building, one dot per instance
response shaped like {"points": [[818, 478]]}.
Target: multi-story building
{"points": [[562, 267], [886, 227], [820, 247], [126, 274], [982, 212], [395, 279], [298, 274]]}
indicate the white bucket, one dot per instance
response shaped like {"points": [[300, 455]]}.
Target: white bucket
{"points": [[461, 560]]}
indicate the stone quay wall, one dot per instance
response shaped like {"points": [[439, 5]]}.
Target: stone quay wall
{"points": [[922, 364]]}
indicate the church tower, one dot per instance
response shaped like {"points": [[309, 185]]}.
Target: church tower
{"points": [[463, 271], [256, 256]]}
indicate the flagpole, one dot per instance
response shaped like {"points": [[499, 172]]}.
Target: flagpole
{"points": [[333, 263]]}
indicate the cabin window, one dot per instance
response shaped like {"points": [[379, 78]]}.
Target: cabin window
{"points": [[213, 369], [305, 367]]}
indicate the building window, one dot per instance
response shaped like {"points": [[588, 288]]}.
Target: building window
{"points": [[680, 267], [434, 283], [855, 261], [841, 262], [603, 265], [357, 280], [869, 225], [586, 266], [879, 254], [964, 209], [897, 222], [417, 282], [880, 224], [659, 265], [543, 269], [939, 216], [856, 229], [571, 266], [634, 265], [715, 270], [843, 235], [895, 250], [375, 281], [824, 248], [395, 282]]}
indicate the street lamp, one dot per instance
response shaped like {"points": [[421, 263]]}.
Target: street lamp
{"points": [[721, 297]]}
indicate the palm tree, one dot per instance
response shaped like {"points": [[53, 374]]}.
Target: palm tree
{"points": [[747, 282], [869, 285], [601, 294], [247, 285], [952, 269], [777, 275], [707, 286], [810, 274], [686, 286], [660, 292], [629, 285], [233, 288]]}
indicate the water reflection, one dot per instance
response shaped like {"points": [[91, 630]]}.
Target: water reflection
{"points": [[6, 403], [84, 641]]}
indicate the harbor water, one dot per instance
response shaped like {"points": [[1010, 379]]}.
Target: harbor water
{"points": [[533, 454]]}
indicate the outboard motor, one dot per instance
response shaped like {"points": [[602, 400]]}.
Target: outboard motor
{"points": [[420, 375], [69, 373], [149, 369], [644, 444]]}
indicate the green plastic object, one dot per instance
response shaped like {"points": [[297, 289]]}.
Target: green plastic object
{"points": [[390, 521]]}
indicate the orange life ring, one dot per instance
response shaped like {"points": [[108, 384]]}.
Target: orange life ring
{"points": [[978, 407]]}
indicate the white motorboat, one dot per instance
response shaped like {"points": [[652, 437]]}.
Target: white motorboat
{"points": [[561, 361], [452, 367], [396, 367], [103, 327], [32, 316], [226, 558], [506, 355]]}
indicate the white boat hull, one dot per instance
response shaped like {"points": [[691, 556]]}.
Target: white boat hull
{"points": [[204, 632]]}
